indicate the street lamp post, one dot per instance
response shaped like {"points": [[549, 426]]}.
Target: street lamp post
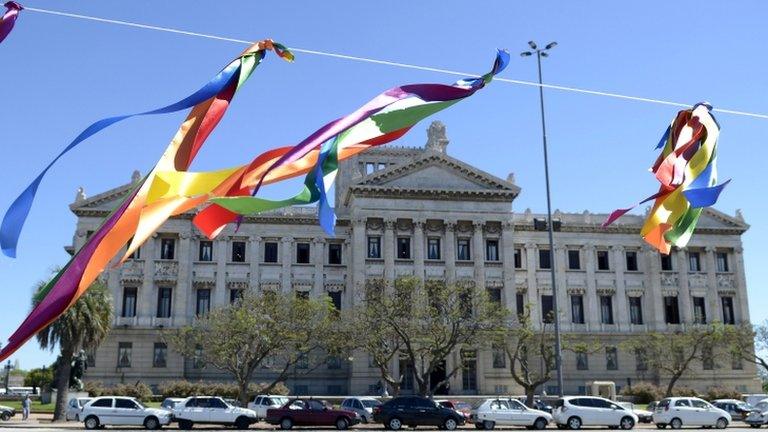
{"points": [[543, 52]]}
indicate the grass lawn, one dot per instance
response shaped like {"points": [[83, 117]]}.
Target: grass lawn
{"points": [[37, 407]]}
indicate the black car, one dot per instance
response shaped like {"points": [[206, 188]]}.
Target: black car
{"points": [[416, 411]]}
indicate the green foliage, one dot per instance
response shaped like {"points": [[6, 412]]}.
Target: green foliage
{"points": [[722, 393], [139, 390], [40, 377], [643, 392], [183, 388], [683, 391]]}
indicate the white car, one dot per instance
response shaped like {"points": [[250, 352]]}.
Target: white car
{"points": [[363, 406], [677, 412], [643, 416], [212, 410], [508, 411], [759, 416], [74, 407], [113, 410], [262, 403], [573, 412]]}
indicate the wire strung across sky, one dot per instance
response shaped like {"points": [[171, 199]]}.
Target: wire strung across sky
{"points": [[391, 63]]}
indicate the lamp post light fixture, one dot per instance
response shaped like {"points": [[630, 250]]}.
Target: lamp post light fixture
{"points": [[539, 53]]}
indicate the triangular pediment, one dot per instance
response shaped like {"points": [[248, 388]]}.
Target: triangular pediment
{"points": [[714, 219], [105, 201]]}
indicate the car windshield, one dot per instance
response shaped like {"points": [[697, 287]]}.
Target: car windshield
{"points": [[761, 406], [141, 405], [745, 406], [370, 403]]}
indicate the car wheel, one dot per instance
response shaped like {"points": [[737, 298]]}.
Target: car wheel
{"points": [[627, 423], [185, 424], [540, 424], [754, 426], [574, 423], [661, 426], [342, 423], [561, 426], [489, 425], [722, 423], [151, 423], [676, 423], [286, 423], [5, 416], [91, 422], [364, 420], [242, 423], [479, 426], [394, 423], [450, 424], [77, 418]]}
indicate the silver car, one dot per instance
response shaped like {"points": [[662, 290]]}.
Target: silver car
{"points": [[363, 406], [74, 407], [117, 410]]}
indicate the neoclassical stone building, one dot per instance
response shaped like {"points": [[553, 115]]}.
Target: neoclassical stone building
{"points": [[418, 211]]}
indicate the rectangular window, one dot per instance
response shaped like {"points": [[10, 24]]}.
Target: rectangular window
{"points": [[404, 248], [135, 254], [574, 260], [494, 295], [736, 363], [335, 299], [129, 302], [160, 355], [333, 362], [694, 262], [666, 262], [547, 309], [203, 304], [577, 309], [206, 251], [463, 254], [302, 253], [728, 316], [433, 248], [124, 354], [636, 310], [469, 370], [722, 262], [518, 258], [671, 310], [499, 357], [334, 253], [235, 295], [167, 248], [270, 252], [520, 304], [197, 359], [491, 250], [606, 309], [545, 259], [707, 358], [699, 311], [641, 360], [582, 361], [611, 358], [164, 302], [374, 247], [370, 167], [238, 251], [631, 257], [603, 263]]}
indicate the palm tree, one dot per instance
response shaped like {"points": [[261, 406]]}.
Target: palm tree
{"points": [[82, 326]]}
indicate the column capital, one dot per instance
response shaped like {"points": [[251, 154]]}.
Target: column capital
{"points": [[359, 221], [507, 225], [317, 240], [419, 224], [710, 249], [389, 224], [738, 249], [478, 225], [184, 235], [286, 239], [450, 225], [256, 238], [531, 245], [619, 248]]}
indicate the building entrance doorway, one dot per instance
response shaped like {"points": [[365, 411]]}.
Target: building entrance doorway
{"points": [[437, 376]]}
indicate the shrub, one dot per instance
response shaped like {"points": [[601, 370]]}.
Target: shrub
{"points": [[722, 393], [139, 390], [685, 392], [643, 392], [181, 388]]}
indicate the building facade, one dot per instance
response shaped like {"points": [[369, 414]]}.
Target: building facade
{"points": [[419, 212]]}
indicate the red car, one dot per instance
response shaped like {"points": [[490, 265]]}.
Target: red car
{"points": [[463, 408], [310, 412]]}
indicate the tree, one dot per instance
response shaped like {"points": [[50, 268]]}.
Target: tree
{"points": [[750, 344], [426, 323], [40, 378], [673, 354], [83, 326], [276, 331]]}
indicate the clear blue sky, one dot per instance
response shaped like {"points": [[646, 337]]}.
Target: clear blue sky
{"points": [[59, 74]]}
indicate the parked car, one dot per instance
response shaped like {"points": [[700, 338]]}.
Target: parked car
{"points": [[416, 411], [537, 404], [643, 415], [652, 406], [262, 403], [460, 407], [6, 412], [113, 410], [211, 410], [508, 411], [759, 416], [739, 410], [573, 412], [74, 407], [689, 411], [361, 405], [311, 412], [170, 403]]}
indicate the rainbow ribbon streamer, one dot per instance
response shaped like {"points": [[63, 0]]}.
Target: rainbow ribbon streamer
{"points": [[687, 171], [8, 19]]}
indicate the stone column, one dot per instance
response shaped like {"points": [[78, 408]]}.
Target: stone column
{"points": [[183, 280], [388, 249], [622, 302], [318, 249], [419, 246], [148, 294], [286, 261], [713, 311], [654, 297], [254, 261], [742, 312], [356, 267], [532, 291], [591, 307], [684, 293], [508, 256], [450, 251], [478, 254]]}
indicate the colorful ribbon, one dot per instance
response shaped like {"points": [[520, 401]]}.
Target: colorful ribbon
{"points": [[72, 281], [9, 18], [687, 171]]}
